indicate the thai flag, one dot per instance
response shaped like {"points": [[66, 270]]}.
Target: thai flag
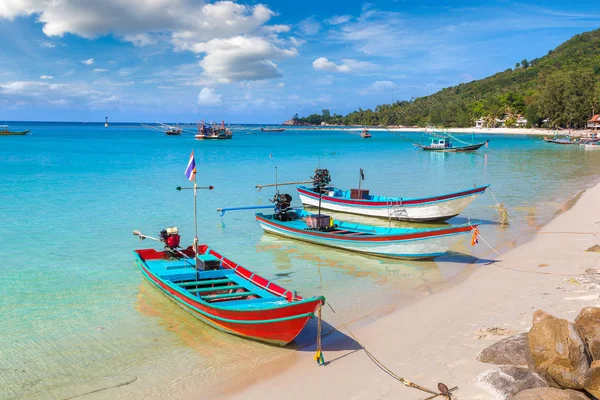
{"points": [[190, 171]]}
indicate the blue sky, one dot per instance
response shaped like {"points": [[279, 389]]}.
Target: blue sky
{"points": [[258, 62]]}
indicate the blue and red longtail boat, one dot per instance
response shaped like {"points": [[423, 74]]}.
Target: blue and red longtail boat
{"points": [[225, 295], [407, 243]]}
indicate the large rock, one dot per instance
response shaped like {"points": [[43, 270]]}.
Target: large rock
{"points": [[556, 352], [506, 381], [588, 326], [540, 315], [509, 351], [547, 393], [591, 379]]}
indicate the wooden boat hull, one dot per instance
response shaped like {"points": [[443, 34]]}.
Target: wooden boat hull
{"points": [[559, 141], [454, 149], [212, 137], [14, 133], [435, 208], [275, 322], [272, 130], [418, 244]]}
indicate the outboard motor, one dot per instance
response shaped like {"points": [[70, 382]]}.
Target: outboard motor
{"points": [[321, 180], [283, 210], [171, 238]]}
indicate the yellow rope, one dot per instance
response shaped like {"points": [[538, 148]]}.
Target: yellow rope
{"points": [[319, 354]]}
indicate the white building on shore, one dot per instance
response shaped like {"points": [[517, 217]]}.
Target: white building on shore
{"points": [[594, 123]]}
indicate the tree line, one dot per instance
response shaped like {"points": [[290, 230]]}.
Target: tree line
{"points": [[561, 89]]}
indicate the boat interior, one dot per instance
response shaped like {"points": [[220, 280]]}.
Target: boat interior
{"points": [[217, 284]]}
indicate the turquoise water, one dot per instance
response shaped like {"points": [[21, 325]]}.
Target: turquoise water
{"points": [[77, 316]]}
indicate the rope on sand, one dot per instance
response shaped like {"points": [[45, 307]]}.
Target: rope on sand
{"points": [[444, 391]]}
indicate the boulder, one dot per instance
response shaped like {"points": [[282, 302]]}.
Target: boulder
{"points": [[506, 381], [547, 393], [540, 315], [556, 351], [588, 326], [509, 351], [591, 379]]}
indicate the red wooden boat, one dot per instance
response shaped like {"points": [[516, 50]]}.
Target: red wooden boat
{"points": [[225, 295]]}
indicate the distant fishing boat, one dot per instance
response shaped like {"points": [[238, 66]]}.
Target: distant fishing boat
{"points": [[446, 145], [4, 131], [173, 131], [557, 140], [213, 132], [170, 130], [592, 146], [272, 129], [415, 243], [358, 201]]}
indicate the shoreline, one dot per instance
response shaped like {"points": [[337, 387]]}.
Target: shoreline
{"points": [[462, 318], [472, 130]]}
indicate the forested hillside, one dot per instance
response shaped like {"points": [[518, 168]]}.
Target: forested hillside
{"points": [[562, 87]]}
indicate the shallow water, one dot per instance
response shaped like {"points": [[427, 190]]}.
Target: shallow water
{"points": [[76, 314]]}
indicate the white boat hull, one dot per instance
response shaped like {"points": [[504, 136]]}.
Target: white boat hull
{"points": [[441, 210]]}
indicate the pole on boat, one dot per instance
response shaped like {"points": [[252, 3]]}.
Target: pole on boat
{"points": [[259, 187], [197, 261], [361, 177]]}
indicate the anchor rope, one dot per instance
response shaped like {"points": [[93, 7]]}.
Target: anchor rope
{"points": [[388, 371], [319, 354], [478, 234], [503, 211]]}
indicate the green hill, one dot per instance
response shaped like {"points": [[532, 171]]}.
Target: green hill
{"points": [[563, 87]]}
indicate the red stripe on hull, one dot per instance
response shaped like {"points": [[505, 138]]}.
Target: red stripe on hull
{"points": [[387, 204]]}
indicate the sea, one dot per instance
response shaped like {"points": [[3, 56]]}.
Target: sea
{"points": [[76, 316]]}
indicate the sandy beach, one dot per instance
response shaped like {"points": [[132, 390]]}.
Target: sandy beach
{"points": [[437, 338]]}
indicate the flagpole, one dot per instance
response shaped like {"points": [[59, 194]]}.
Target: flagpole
{"points": [[196, 222]]}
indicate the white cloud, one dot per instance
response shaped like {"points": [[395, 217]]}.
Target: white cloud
{"points": [[281, 85], [379, 86], [89, 61], [21, 87], [59, 102], [348, 65], [220, 29], [48, 45], [140, 39], [100, 70], [46, 77], [382, 85], [277, 28], [209, 98], [324, 64], [241, 58], [309, 26], [338, 19]]}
